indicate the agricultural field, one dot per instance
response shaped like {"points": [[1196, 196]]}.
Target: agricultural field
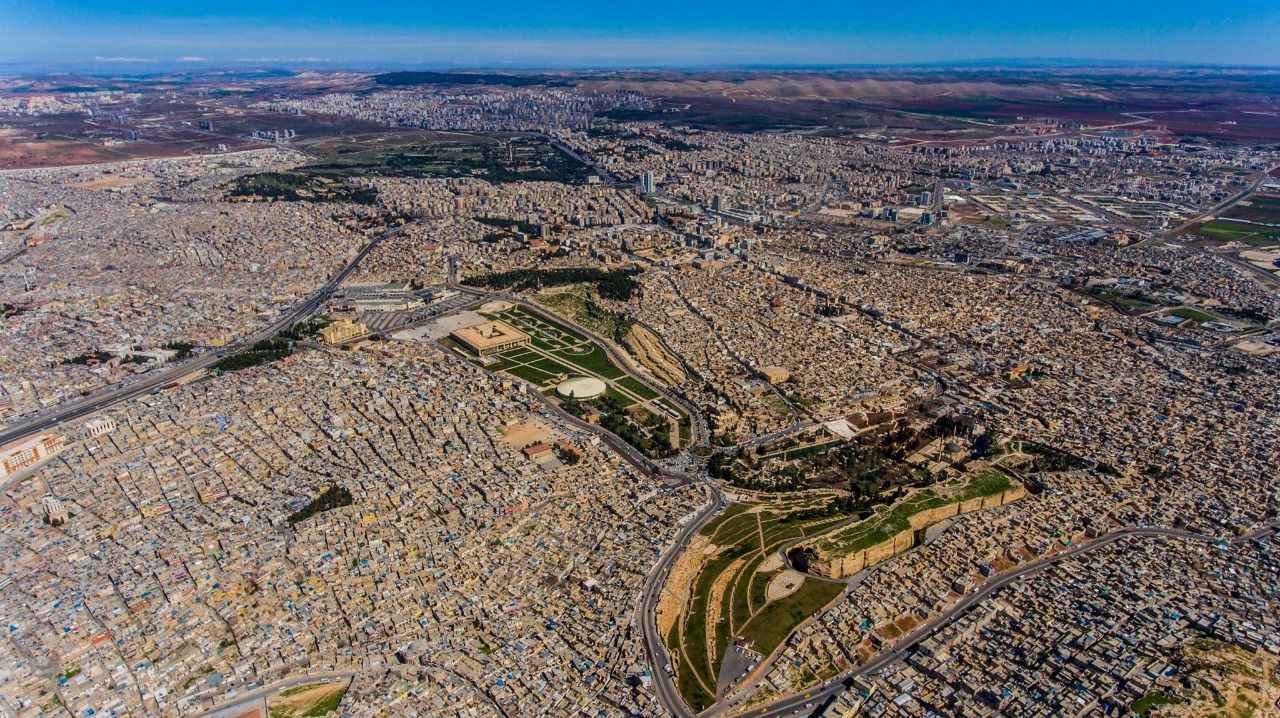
{"points": [[1222, 230], [1254, 221], [1263, 208]]}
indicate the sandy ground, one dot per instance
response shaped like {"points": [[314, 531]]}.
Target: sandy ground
{"points": [[299, 703], [783, 585], [1228, 682], [524, 433], [107, 182], [772, 563], [441, 327]]}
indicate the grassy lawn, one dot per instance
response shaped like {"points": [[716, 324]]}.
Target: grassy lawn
{"points": [[531, 374], [1252, 234], [711, 528], [885, 524], [568, 348], [741, 588], [636, 387], [594, 361], [691, 689], [744, 601], [694, 641], [759, 588], [1193, 314], [307, 701], [1144, 705], [551, 367], [988, 483], [772, 625]]}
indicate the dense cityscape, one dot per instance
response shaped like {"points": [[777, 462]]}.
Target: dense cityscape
{"points": [[601, 394]]}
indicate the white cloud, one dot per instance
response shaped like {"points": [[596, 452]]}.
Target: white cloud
{"points": [[100, 58], [282, 59], [192, 58]]}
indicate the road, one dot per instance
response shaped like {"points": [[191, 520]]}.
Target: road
{"points": [[14, 254], [668, 695], [624, 362], [1217, 209], [797, 704], [259, 694], [110, 396], [587, 160]]}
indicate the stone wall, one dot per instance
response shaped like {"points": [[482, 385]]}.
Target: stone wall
{"points": [[838, 567]]}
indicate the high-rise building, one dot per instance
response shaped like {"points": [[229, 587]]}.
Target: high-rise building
{"points": [[647, 185]]}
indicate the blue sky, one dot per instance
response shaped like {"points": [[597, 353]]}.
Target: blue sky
{"points": [[635, 32]]}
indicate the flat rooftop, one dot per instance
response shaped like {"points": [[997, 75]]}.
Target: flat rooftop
{"points": [[488, 335]]}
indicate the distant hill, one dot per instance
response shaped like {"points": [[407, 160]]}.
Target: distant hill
{"points": [[465, 78]]}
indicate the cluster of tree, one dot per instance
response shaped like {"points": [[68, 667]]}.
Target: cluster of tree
{"points": [[509, 224], [1050, 459], [674, 144], [182, 348], [721, 466], [1248, 314], [626, 429], [567, 456], [618, 322], [615, 417], [97, 357], [300, 187], [331, 498], [306, 329], [614, 284], [263, 352]]}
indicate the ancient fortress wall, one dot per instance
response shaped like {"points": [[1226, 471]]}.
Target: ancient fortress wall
{"points": [[838, 567]]}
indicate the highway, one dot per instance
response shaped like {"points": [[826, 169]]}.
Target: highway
{"points": [[1263, 177], [110, 396], [797, 704]]}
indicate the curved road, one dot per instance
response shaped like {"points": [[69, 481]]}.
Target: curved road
{"points": [[798, 703], [668, 695]]}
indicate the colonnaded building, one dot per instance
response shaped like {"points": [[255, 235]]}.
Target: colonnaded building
{"points": [[492, 337]]}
